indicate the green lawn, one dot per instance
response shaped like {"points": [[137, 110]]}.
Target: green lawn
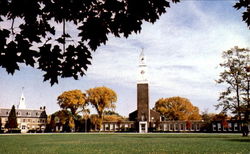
{"points": [[124, 143]]}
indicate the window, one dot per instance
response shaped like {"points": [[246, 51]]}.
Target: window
{"points": [[219, 126], [111, 126], [143, 127], [229, 126], [24, 120], [171, 126], [198, 126], [28, 113], [235, 127], [176, 126], [214, 127], [106, 127], [23, 126], [182, 127], [116, 127], [193, 126], [164, 127], [7, 113]]}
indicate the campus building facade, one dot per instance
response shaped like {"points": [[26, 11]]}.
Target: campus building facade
{"points": [[145, 119], [27, 119]]}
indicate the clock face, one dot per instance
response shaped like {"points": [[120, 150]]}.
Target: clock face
{"points": [[142, 71]]}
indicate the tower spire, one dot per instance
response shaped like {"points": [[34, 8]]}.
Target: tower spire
{"points": [[22, 104]]}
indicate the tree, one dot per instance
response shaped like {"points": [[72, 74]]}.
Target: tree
{"points": [[12, 120], [177, 108], [112, 116], [95, 121], [101, 98], [51, 124], [73, 100], [244, 4], [246, 86], [32, 38], [236, 77]]}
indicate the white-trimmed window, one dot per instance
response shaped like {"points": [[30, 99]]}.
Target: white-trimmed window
{"points": [[111, 126], [214, 127], [229, 126], [164, 127], [182, 127], [106, 126], [116, 127], [171, 127], [235, 127], [197, 126], [219, 126], [193, 126]]}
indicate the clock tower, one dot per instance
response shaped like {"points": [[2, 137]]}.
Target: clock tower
{"points": [[142, 95], [143, 71]]}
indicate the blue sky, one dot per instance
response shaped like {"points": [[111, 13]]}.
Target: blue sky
{"points": [[183, 51]]}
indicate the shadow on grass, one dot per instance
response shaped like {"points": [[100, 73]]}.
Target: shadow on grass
{"points": [[239, 140], [178, 136]]}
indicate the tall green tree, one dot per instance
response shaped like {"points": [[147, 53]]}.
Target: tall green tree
{"points": [[246, 85], [74, 101], [101, 98], [177, 108], [12, 119], [236, 78], [33, 39]]}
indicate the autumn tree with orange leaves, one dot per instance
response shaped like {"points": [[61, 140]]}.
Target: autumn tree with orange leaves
{"points": [[177, 108], [74, 101], [101, 98]]}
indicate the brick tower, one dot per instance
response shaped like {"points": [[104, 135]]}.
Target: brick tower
{"points": [[143, 116]]}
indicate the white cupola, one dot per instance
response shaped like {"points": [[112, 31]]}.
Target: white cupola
{"points": [[21, 104]]}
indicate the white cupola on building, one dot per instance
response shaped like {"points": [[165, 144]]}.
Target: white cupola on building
{"points": [[21, 104]]}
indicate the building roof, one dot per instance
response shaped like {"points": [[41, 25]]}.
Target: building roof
{"points": [[27, 113]]}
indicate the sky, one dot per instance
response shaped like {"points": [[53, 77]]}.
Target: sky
{"points": [[183, 50]]}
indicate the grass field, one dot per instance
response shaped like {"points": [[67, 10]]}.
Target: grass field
{"points": [[124, 143]]}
